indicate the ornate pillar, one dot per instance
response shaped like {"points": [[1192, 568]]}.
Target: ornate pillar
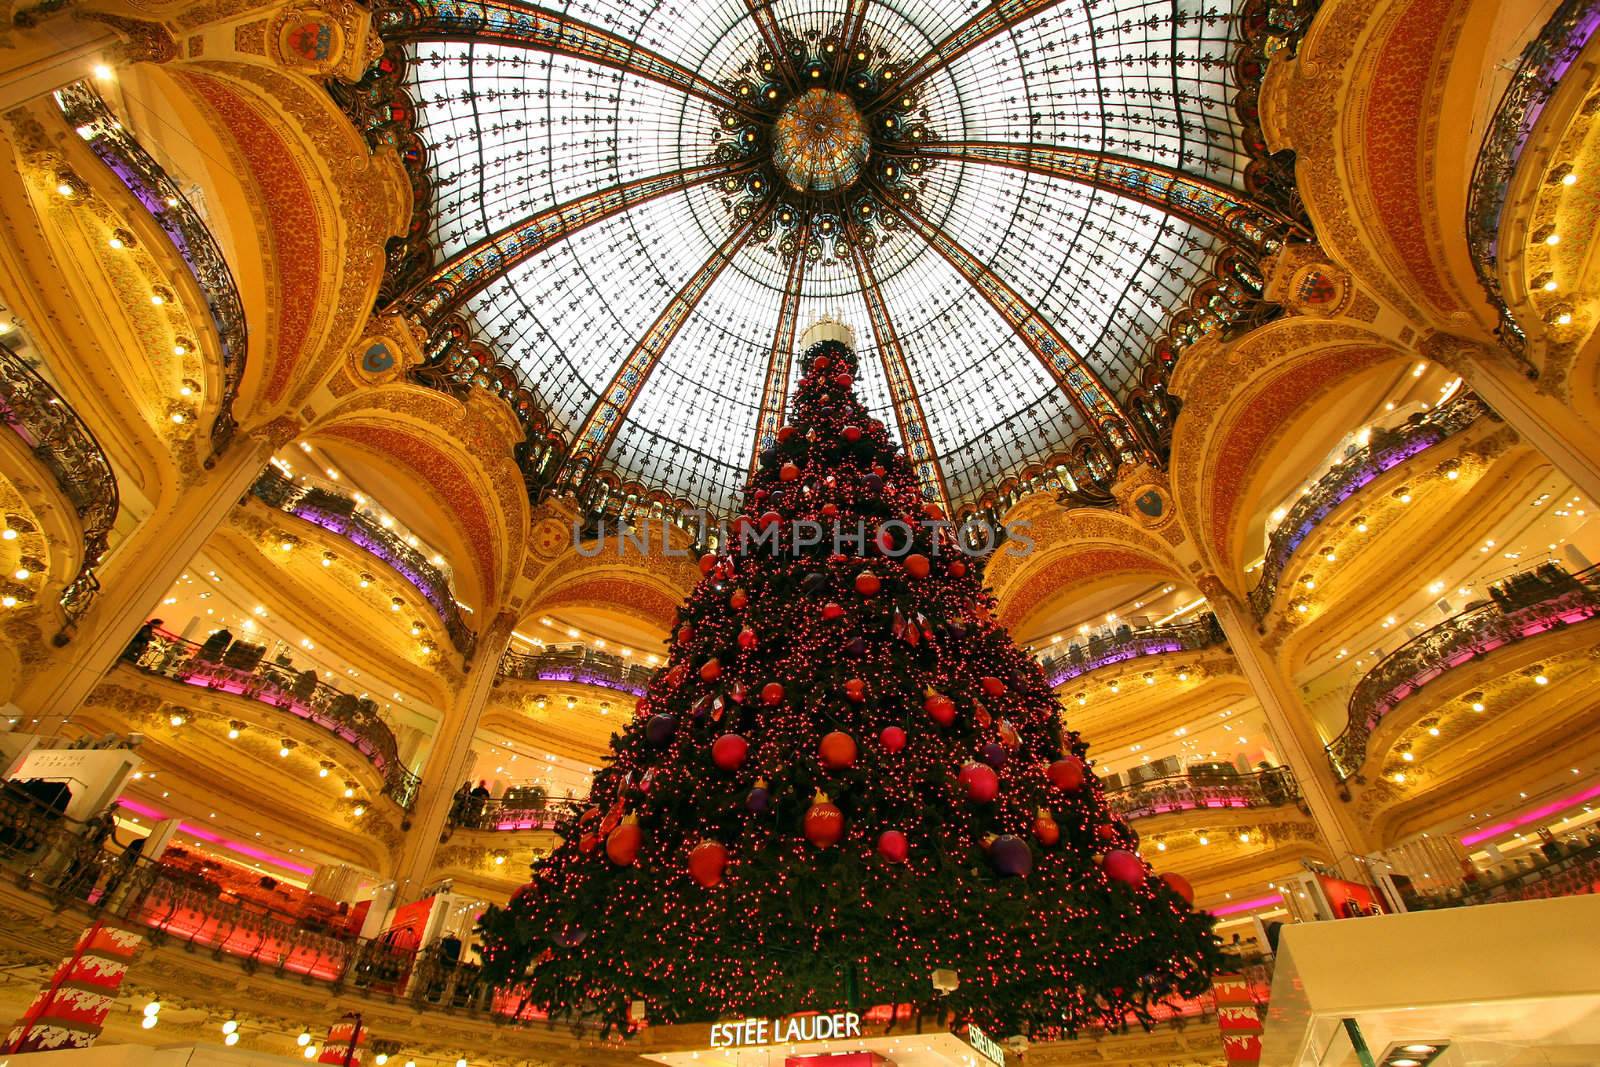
{"points": [[138, 570], [1568, 438], [1292, 727], [448, 758]]}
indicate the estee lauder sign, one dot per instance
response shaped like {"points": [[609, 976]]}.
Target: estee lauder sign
{"points": [[788, 1030]]}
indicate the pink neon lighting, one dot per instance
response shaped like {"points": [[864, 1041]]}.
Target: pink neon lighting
{"points": [[216, 839], [1533, 816], [1246, 905]]}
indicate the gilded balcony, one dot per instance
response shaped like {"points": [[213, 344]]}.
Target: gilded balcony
{"points": [[1128, 642], [1385, 450], [341, 515], [240, 669], [1521, 607]]}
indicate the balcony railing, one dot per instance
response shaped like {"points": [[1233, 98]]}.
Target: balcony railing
{"points": [[184, 227], [1545, 61], [59, 439], [1521, 607], [67, 861], [338, 514], [512, 813], [577, 665], [1269, 788], [1130, 642], [240, 671], [1386, 449]]}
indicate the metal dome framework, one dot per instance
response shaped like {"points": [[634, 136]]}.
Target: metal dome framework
{"points": [[1053, 203]]}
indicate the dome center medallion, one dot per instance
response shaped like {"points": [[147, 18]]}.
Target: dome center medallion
{"points": [[820, 142]]}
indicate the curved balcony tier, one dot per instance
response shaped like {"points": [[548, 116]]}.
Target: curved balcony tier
{"points": [[579, 665], [58, 438], [1128, 643], [1271, 788], [1387, 449], [1523, 606], [184, 226], [240, 670], [339, 514], [1543, 64]]}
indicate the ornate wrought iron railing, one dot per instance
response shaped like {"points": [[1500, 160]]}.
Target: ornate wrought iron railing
{"points": [[1521, 607], [577, 665], [1545, 61], [1387, 449], [184, 227], [1131, 643], [512, 813], [338, 514], [300, 693], [1269, 788], [58, 437]]}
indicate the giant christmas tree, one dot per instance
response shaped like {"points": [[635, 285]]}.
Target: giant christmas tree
{"points": [[845, 779]]}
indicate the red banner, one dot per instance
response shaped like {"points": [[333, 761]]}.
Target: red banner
{"points": [[70, 1011], [344, 1043], [1237, 1018]]}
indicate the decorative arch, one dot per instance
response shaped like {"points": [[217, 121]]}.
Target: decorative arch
{"points": [[1070, 550], [1243, 398], [1372, 106], [458, 455], [315, 208]]}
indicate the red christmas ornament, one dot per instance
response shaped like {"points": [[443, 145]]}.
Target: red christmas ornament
{"points": [[980, 782], [855, 689], [932, 511], [830, 509], [707, 861], [843, 380], [837, 751], [1066, 773], [729, 751], [867, 583], [917, 565], [1124, 867], [707, 561], [1105, 832], [677, 675], [992, 685], [769, 519], [893, 846], [739, 600], [588, 843], [852, 434], [747, 639], [832, 611], [824, 823], [1179, 885], [772, 694], [788, 472], [710, 670], [939, 707], [785, 432], [821, 363], [893, 739], [685, 634], [622, 844], [1045, 828], [957, 568]]}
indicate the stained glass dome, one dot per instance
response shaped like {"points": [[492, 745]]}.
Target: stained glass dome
{"points": [[637, 207]]}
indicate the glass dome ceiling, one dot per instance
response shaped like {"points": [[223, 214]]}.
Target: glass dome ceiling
{"points": [[640, 206]]}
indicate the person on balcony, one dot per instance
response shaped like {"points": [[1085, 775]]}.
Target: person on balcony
{"points": [[141, 640], [479, 805]]}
